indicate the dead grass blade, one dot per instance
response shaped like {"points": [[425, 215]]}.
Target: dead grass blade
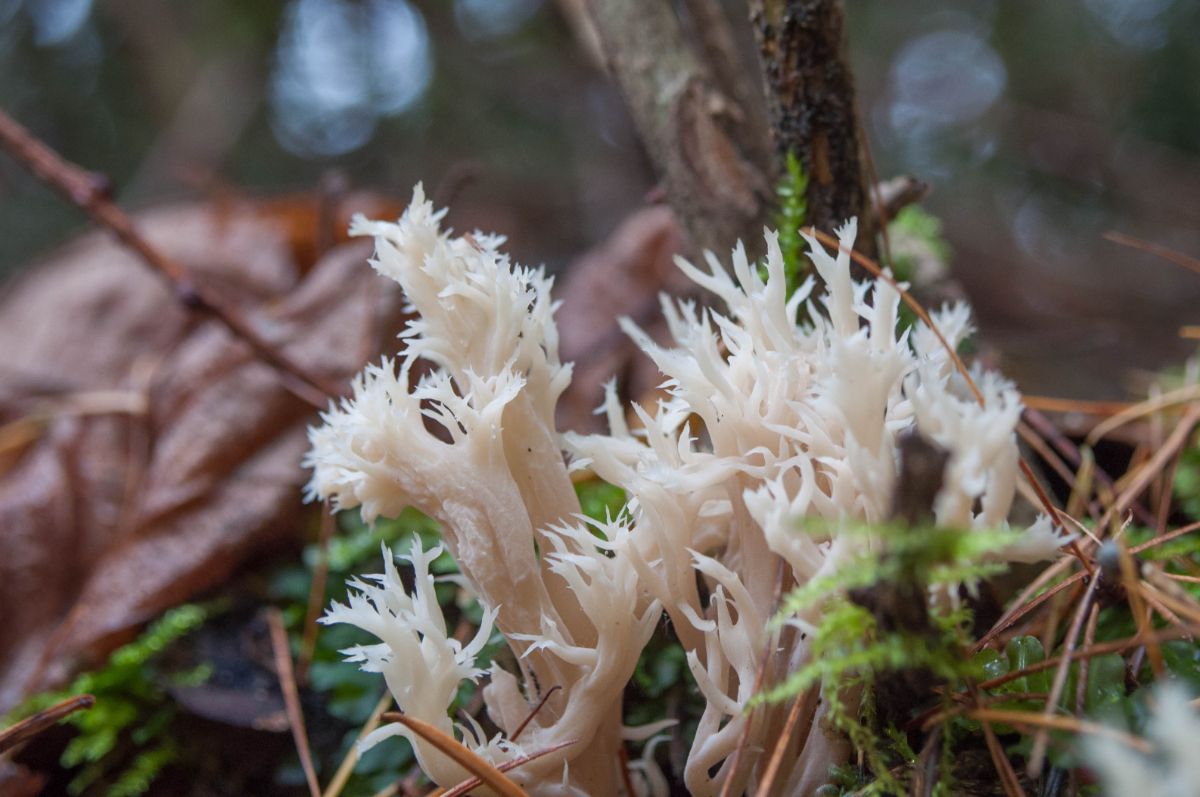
{"points": [[487, 772], [31, 726], [291, 697], [346, 768]]}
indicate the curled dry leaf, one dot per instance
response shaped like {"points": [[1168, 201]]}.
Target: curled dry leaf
{"points": [[111, 513], [623, 276]]}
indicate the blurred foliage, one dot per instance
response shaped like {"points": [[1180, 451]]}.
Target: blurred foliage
{"points": [[1187, 480]]}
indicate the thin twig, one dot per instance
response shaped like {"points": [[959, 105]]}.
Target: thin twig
{"points": [[783, 575], [1081, 681], [1025, 602], [31, 726], [626, 776], [291, 697], [90, 193], [1081, 406]]}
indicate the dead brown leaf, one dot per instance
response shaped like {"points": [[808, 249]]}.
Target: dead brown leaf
{"points": [[623, 276], [108, 518]]}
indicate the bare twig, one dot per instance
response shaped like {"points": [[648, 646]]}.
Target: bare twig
{"points": [[811, 101], [714, 164], [31, 726], [291, 697], [90, 192]]}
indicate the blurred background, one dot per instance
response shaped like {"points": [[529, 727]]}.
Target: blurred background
{"points": [[1039, 125]]}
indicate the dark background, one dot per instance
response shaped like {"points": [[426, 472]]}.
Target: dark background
{"points": [[1040, 124]]}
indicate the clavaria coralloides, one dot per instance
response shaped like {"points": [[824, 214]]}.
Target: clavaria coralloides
{"points": [[765, 422]]}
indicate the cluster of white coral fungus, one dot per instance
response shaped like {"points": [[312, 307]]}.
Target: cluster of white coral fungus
{"points": [[766, 421]]}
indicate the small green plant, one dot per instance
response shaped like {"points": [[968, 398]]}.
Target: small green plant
{"points": [[791, 216], [124, 742]]}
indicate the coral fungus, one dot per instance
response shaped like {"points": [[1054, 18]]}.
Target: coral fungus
{"points": [[765, 421]]}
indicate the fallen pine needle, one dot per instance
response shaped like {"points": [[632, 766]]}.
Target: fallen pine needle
{"points": [[487, 772], [31, 726], [291, 697], [1055, 722], [347, 766], [507, 766]]}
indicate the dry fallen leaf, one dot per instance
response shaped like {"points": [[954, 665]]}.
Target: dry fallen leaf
{"points": [[148, 453], [622, 276]]}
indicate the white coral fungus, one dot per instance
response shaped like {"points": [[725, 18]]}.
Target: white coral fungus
{"points": [[765, 421]]}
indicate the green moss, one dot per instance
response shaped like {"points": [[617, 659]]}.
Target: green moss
{"points": [[850, 651], [122, 740], [792, 215]]}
